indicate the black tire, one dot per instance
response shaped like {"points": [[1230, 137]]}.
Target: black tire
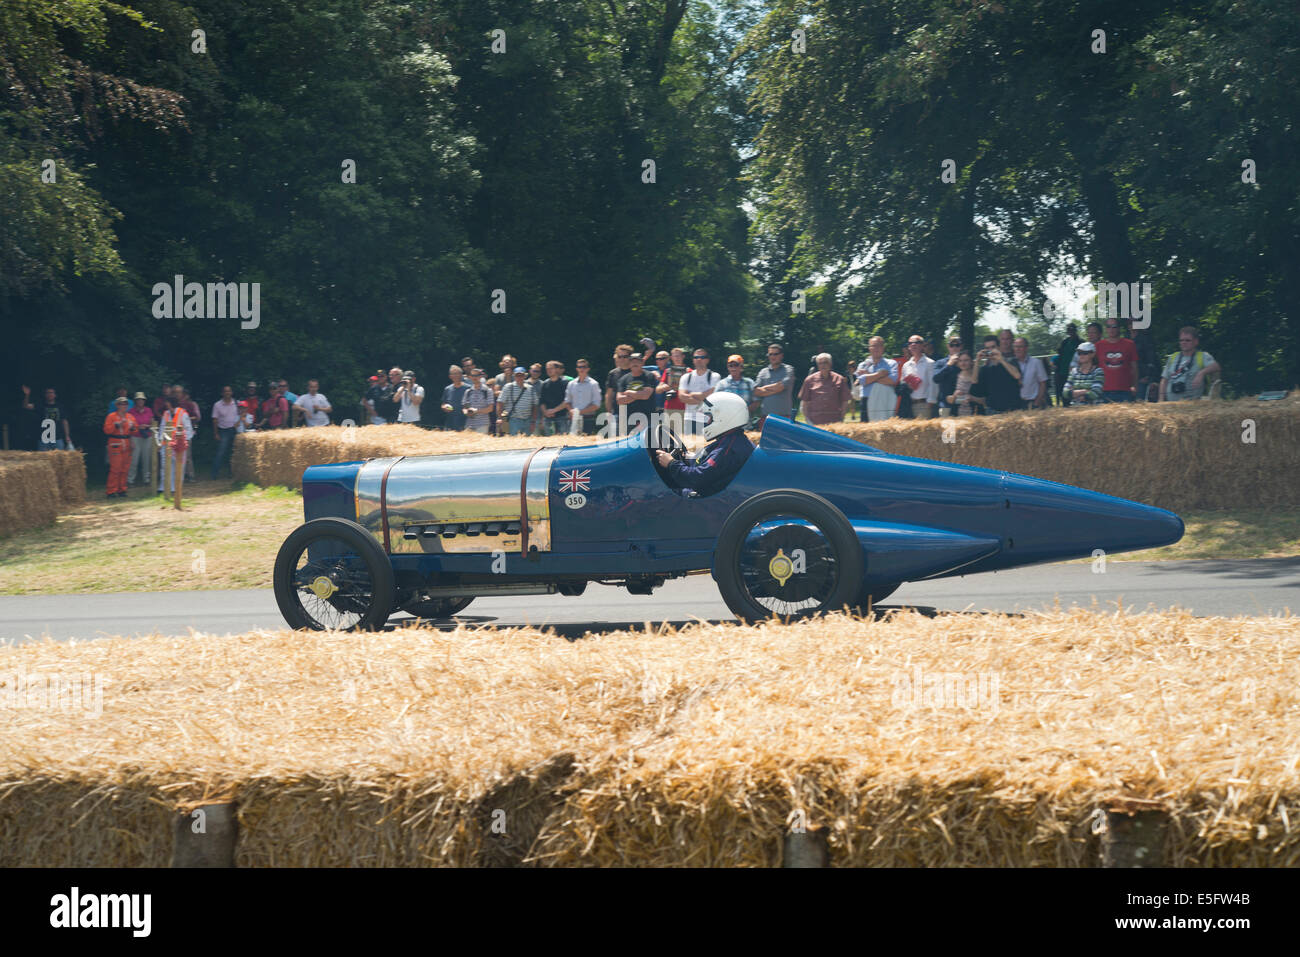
{"points": [[744, 559], [437, 609], [348, 559], [869, 596]]}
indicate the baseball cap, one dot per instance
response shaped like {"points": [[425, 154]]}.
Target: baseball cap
{"points": [[736, 358], [520, 370], [121, 398], [1086, 347], [140, 395], [408, 374], [374, 378]]}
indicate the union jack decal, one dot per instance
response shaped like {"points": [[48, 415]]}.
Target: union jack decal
{"points": [[575, 480]]}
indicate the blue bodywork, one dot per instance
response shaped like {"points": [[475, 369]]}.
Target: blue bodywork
{"points": [[914, 518]]}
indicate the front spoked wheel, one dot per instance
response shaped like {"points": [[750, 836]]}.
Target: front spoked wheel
{"points": [[332, 575], [787, 554]]}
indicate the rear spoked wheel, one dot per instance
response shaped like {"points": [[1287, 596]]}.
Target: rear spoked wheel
{"points": [[332, 575], [787, 554]]}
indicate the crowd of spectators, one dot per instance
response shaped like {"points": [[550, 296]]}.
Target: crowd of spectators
{"points": [[544, 400], [998, 376]]}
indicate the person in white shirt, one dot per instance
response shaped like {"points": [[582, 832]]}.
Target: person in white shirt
{"points": [[316, 408], [919, 369], [409, 396], [174, 450], [1033, 377], [696, 386], [225, 423], [582, 397], [877, 375]]}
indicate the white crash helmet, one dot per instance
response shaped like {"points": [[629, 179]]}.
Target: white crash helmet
{"points": [[723, 411]]}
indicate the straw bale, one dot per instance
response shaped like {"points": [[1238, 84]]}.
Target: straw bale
{"points": [[280, 457], [1177, 455], [70, 468], [29, 491], [36, 486], [69, 472], [664, 747]]}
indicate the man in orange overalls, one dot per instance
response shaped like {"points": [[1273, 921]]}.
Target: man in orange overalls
{"points": [[119, 427]]}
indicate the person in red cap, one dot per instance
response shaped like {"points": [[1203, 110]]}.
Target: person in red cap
{"points": [[735, 381], [119, 427], [249, 407]]}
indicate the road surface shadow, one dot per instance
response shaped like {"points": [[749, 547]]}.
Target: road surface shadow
{"points": [[1252, 568], [575, 630]]}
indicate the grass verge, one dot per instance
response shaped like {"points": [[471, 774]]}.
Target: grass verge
{"points": [[223, 538]]}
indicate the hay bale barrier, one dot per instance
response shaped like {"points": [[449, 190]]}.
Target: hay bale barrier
{"points": [[36, 487], [31, 496], [281, 456], [1176, 455], [962, 740]]}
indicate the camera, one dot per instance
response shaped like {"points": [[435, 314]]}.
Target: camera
{"points": [[1178, 387]]}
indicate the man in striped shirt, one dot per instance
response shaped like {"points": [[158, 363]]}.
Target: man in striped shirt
{"points": [[517, 404], [478, 402]]}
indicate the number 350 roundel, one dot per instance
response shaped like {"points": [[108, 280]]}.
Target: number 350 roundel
{"points": [[575, 482]]}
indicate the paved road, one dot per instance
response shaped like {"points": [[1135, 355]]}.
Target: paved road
{"points": [[1255, 587]]}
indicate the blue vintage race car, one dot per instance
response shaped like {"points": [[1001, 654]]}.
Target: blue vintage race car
{"points": [[813, 522]]}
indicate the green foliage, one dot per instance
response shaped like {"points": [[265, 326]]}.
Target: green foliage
{"points": [[1120, 166], [475, 171], [524, 171]]}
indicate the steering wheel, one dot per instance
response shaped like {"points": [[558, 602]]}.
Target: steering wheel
{"points": [[665, 439], [670, 442]]}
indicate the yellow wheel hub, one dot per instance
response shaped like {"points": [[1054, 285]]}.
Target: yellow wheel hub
{"points": [[322, 587], [780, 567]]}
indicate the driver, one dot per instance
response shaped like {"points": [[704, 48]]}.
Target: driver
{"points": [[725, 417]]}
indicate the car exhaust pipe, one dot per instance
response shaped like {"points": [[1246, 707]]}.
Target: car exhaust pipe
{"points": [[479, 591]]}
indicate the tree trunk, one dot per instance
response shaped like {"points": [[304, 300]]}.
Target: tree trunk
{"points": [[1111, 249], [968, 276]]}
